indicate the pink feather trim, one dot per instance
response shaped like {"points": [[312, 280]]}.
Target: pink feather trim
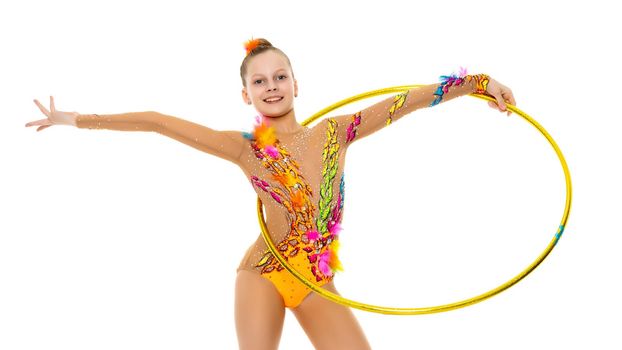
{"points": [[272, 151], [463, 72], [313, 235], [334, 228], [323, 264]]}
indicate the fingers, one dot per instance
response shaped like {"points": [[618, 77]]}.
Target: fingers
{"points": [[509, 98], [494, 105], [43, 123], [43, 109], [38, 122], [502, 95], [502, 106], [500, 102], [52, 108]]}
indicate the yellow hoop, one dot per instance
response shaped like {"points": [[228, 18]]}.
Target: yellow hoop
{"points": [[432, 309]]}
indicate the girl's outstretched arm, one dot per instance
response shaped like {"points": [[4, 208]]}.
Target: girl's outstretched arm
{"points": [[224, 144], [369, 120]]}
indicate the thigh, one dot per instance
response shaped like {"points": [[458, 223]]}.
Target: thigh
{"points": [[330, 325], [259, 312]]}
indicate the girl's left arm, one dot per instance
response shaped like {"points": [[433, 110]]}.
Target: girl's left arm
{"points": [[369, 120]]}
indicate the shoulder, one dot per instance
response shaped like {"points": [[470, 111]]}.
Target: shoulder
{"points": [[234, 140], [234, 135], [337, 127]]}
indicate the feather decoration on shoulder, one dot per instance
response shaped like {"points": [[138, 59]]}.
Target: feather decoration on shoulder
{"points": [[265, 136]]}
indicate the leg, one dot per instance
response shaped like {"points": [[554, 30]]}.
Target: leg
{"points": [[330, 325], [259, 312]]}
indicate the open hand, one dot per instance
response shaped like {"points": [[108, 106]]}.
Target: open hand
{"points": [[54, 117], [502, 95]]}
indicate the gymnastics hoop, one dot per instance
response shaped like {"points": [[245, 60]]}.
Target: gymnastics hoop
{"points": [[431, 309]]}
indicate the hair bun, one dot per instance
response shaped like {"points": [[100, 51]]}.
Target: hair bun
{"points": [[252, 44]]}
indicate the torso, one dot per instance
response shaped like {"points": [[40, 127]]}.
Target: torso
{"points": [[292, 203]]}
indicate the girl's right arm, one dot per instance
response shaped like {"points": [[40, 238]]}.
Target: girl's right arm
{"points": [[224, 144]]}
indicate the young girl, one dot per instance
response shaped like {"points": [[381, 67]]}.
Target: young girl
{"points": [[298, 174]]}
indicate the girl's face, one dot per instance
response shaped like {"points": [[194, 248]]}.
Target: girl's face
{"points": [[269, 78]]}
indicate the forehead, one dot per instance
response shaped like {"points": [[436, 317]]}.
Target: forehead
{"points": [[267, 63]]}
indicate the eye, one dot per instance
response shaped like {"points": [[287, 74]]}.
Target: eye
{"points": [[282, 76], [256, 81]]}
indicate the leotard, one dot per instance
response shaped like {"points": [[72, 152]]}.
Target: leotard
{"points": [[299, 176]]}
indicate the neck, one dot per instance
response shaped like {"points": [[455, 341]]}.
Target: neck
{"points": [[285, 124]]}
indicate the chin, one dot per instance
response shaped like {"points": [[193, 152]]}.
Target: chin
{"points": [[276, 113]]}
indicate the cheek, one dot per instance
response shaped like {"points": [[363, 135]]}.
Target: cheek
{"points": [[253, 92], [287, 85]]}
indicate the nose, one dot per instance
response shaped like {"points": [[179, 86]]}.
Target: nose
{"points": [[272, 87]]}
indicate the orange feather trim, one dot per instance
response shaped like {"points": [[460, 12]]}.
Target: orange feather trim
{"points": [[264, 135]]}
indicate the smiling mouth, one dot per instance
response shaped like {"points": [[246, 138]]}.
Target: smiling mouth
{"points": [[273, 100]]}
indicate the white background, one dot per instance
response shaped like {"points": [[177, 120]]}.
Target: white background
{"points": [[129, 240]]}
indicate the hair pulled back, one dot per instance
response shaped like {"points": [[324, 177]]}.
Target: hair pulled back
{"points": [[253, 48]]}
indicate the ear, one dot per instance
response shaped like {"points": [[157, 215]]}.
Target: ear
{"points": [[245, 97], [295, 88]]}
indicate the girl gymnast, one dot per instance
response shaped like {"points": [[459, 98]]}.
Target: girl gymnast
{"points": [[297, 173]]}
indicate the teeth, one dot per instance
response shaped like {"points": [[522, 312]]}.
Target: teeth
{"points": [[273, 99]]}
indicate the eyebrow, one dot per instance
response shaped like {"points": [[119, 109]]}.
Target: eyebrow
{"points": [[278, 70]]}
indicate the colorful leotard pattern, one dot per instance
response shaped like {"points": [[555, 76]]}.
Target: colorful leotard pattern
{"points": [[308, 236], [314, 242], [457, 80]]}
